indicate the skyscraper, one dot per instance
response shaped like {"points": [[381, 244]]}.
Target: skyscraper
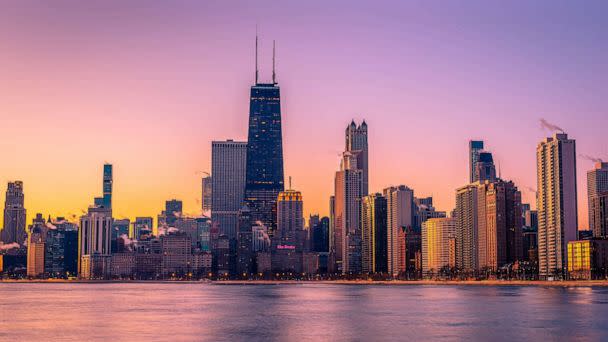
{"points": [[400, 215], [374, 250], [356, 143], [319, 233], [466, 215], [14, 215], [437, 236], [94, 237], [95, 234], [499, 224], [597, 193], [173, 210], [475, 147], [206, 194], [347, 229], [36, 246], [61, 249], [484, 167], [107, 186], [228, 162], [290, 220], [556, 202], [264, 174]]}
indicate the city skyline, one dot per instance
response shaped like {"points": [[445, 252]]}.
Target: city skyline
{"points": [[58, 129]]}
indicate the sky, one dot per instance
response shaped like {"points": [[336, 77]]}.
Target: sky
{"points": [[147, 85]]}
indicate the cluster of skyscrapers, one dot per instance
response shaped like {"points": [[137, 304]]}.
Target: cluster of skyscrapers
{"points": [[252, 226]]}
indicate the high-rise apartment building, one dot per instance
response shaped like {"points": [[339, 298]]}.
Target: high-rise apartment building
{"points": [[499, 235], [466, 215], [437, 236], [597, 194], [475, 147], [228, 165], [556, 202], [374, 249], [401, 212], [13, 230], [347, 230]]}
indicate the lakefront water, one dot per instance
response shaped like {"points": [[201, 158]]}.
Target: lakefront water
{"points": [[313, 312]]}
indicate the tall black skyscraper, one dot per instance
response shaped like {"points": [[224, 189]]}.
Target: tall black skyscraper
{"points": [[264, 173], [106, 200], [107, 186]]}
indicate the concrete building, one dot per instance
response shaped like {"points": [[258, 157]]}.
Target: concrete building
{"points": [[13, 230], [588, 259], [374, 228], [228, 167], [94, 247], [176, 254], [35, 247], [436, 236], [466, 215], [290, 220], [597, 194], [401, 213], [347, 231], [499, 235], [556, 203]]}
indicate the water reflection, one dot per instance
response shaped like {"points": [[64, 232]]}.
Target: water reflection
{"points": [[190, 311]]}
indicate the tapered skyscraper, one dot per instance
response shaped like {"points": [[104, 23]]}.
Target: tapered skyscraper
{"points": [[264, 172], [356, 143]]}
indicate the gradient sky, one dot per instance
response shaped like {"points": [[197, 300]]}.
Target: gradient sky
{"points": [[146, 85]]}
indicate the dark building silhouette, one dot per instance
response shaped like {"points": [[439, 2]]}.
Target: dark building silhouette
{"points": [[264, 173], [320, 234]]}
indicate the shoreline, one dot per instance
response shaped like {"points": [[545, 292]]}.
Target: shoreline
{"points": [[536, 283]]}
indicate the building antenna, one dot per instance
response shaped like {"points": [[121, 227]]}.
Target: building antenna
{"points": [[499, 170], [289, 182], [274, 75], [256, 54]]}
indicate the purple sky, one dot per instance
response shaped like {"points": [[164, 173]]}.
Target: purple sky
{"points": [[147, 85]]}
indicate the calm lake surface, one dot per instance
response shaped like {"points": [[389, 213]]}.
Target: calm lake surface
{"points": [[313, 312]]}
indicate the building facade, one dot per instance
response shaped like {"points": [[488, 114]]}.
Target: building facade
{"points": [[13, 230], [264, 171], [228, 162], [556, 203], [436, 236], [401, 213], [374, 250], [597, 194]]}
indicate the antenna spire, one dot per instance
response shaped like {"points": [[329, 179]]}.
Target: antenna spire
{"points": [[256, 54], [289, 182], [274, 75]]}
